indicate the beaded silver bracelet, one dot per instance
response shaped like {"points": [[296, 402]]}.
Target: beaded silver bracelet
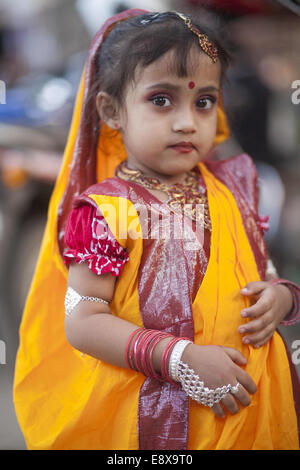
{"points": [[194, 387], [72, 299], [175, 357], [191, 383]]}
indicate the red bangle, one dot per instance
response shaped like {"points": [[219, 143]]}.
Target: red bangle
{"points": [[142, 357], [135, 353], [154, 342], [140, 352], [165, 358], [130, 345]]}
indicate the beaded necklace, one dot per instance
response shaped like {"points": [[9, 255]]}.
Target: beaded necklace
{"points": [[187, 197]]}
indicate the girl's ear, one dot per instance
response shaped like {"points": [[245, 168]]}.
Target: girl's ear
{"points": [[107, 110]]}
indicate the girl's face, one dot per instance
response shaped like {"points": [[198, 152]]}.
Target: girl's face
{"points": [[168, 123]]}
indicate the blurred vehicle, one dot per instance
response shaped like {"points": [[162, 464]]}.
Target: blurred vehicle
{"points": [[33, 130]]}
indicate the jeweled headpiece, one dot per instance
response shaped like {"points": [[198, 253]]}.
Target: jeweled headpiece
{"points": [[206, 45]]}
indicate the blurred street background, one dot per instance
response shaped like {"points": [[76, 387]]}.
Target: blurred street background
{"points": [[43, 46]]}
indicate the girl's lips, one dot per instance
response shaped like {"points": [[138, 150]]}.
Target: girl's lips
{"points": [[183, 147]]}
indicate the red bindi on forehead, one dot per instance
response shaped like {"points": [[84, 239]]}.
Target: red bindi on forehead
{"points": [[191, 85]]}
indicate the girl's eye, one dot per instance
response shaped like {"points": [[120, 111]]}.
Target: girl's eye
{"points": [[161, 101], [206, 103]]}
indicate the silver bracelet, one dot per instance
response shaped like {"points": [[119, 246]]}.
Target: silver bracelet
{"points": [[72, 299], [194, 387], [175, 357]]}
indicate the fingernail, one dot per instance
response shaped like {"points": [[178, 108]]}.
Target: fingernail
{"points": [[242, 330], [244, 290], [243, 313], [246, 340]]}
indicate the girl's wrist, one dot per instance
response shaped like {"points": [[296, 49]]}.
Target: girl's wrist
{"points": [[288, 299], [152, 352], [187, 353]]}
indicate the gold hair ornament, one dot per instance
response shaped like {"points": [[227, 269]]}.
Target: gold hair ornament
{"points": [[206, 45]]}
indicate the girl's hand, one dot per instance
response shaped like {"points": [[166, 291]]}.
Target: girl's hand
{"points": [[274, 302], [217, 366]]}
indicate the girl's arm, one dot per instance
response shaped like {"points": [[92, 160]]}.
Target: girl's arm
{"points": [[93, 330]]}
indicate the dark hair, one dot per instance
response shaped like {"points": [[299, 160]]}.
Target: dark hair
{"points": [[144, 39]]}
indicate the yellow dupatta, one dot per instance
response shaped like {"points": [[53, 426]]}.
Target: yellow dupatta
{"points": [[43, 393], [270, 421], [89, 394], [56, 390]]}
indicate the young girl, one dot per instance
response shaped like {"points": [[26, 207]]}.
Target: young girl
{"points": [[169, 339]]}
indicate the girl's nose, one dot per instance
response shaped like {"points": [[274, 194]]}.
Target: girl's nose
{"points": [[184, 122]]}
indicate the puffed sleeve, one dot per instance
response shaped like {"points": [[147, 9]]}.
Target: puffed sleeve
{"points": [[88, 239]]}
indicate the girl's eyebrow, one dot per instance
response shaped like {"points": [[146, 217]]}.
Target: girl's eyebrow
{"points": [[207, 89]]}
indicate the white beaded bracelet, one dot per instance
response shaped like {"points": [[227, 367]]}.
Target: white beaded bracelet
{"points": [[72, 298], [175, 357], [194, 387]]}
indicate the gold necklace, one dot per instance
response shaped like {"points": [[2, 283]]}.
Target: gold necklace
{"points": [[184, 197]]}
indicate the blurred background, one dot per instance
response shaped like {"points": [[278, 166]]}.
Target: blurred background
{"points": [[43, 46]]}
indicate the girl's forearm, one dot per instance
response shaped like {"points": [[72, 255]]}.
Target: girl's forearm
{"points": [[105, 337]]}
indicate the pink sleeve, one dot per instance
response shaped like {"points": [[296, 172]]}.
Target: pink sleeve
{"points": [[88, 239]]}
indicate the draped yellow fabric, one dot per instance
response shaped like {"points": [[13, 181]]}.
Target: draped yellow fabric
{"points": [[44, 354], [270, 421], [64, 400], [78, 402]]}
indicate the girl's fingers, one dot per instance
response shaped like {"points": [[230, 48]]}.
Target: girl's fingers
{"points": [[246, 381], [218, 410], [247, 386], [262, 342], [257, 325], [243, 396], [254, 288], [235, 355], [231, 402], [260, 338], [259, 308]]}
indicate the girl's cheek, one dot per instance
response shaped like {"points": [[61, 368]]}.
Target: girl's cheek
{"points": [[207, 136], [209, 124]]}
